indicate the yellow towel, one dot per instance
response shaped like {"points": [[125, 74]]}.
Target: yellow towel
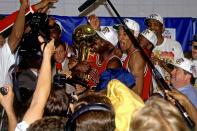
{"points": [[125, 102]]}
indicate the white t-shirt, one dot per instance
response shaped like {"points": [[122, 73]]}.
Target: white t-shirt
{"points": [[7, 59], [169, 51]]}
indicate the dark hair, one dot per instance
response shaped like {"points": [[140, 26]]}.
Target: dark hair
{"points": [[51, 123], [96, 115], [95, 98], [57, 103], [57, 28], [58, 43], [92, 117]]}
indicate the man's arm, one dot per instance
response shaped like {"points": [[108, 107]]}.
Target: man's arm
{"points": [[137, 66], [43, 5], [18, 28], [8, 21], [185, 102], [43, 87], [7, 103]]}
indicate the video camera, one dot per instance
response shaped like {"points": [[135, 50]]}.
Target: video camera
{"points": [[60, 80], [38, 22], [29, 50]]}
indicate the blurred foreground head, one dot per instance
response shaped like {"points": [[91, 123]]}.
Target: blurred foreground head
{"points": [[158, 115]]}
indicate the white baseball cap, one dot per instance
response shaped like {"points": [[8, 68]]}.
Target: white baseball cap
{"points": [[150, 36], [132, 25], [109, 34], [186, 65], [156, 17]]}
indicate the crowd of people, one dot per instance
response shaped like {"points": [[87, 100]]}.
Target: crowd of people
{"points": [[110, 78]]}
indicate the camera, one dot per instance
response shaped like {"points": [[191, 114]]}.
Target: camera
{"points": [[59, 80], [3, 91], [38, 22], [29, 52]]}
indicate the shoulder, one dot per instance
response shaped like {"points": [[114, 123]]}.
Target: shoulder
{"points": [[5, 51], [137, 59], [5, 45], [136, 55]]}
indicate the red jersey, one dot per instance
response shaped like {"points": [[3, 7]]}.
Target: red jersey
{"points": [[147, 76], [97, 68]]}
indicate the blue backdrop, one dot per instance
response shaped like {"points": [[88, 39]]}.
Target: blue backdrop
{"points": [[183, 27]]}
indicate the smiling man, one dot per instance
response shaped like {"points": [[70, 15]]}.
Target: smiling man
{"points": [[181, 78]]}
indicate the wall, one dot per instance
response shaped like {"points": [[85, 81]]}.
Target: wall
{"points": [[132, 8]]}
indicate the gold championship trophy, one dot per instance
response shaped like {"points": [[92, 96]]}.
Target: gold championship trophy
{"points": [[83, 38]]}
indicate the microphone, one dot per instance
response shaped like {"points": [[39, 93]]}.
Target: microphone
{"points": [[85, 5]]}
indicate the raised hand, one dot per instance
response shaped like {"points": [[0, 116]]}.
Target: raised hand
{"points": [[175, 94], [24, 3], [43, 5], [47, 2], [48, 49], [7, 100]]}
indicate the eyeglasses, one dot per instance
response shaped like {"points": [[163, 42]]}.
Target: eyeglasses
{"points": [[194, 47]]}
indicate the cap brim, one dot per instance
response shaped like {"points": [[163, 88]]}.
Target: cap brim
{"points": [[116, 26], [147, 19], [178, 66], [100, 34]]}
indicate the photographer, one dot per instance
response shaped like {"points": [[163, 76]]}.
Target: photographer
{"points": [[9, 47], [43, 87], [29, 60]]}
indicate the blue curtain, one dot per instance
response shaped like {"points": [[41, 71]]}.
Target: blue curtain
{"points": [[183, 26]]}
